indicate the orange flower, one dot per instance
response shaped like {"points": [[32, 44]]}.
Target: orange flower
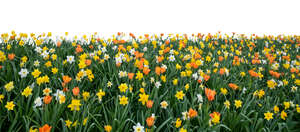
{"points": [[47, 99], [149, 104], [45, 128], [222, 71], [221, 58], [206, 77], [233, 86], [79, 49], [58, 44], [192, 113], [130, 75], [76, 91], [150, 121], [157, 70], [212, 115], [66, 79], [210, 94], [88, 62], [146, 70], [11, 56]]}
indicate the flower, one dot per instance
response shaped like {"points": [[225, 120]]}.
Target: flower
{"points": [[1, 97], [10, 105], [268, 115], [179, 95], [68, 123], [36, 73], [45, 128], [107, 128], [150, 121], [192, 113], [286, 105], [138, 128], [238, 103], [38, 102], [85, 95], [276, 109], [139, 75], [123, 87], [9, 86], [178, 123], [143, 98], [75, 105], [123, 100], [70, 59], [283, 115], [215, 117], [164, 104], [271, 84], [100, 94], [210, 94], [23, 73], [27, 91], [149, 104], [227, 104], [47, 99], [47, 91], [76, 91], [224, 91]]}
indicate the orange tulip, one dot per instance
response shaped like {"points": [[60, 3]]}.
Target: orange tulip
{"points": [[66, 79], [76, 91], [47, 99], [192, 113], [45, 128], [150, 121], [210, 94], [149, 104], [130, 75], [233, 86], [11, 56]]}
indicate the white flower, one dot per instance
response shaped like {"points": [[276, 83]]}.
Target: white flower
{"points": [[157, 84], [36, 63], [106, 57], [23, 73], [132, 51], [200, 98], [164, 104], [38, 49], [58, 93], [172, 58], [138, 128], [122, 74], [45, 54], [185, 115], [195, 76], [109, 84], [152, 79], [171, 52], [103, 49], [38, 102], [145, 49], [70, 59]]}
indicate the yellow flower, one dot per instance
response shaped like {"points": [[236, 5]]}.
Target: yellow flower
{"points": [[100, 94], [276, 109], [227, 104], [182, 130], [84, 121], [123, 87], [179, 95], [261, 93], [238, 103], [1, 97], [175, 81], [75, 105], [143, 98], [224, 91], [47, 91], [27, 91], [139, 75], [271, 84], [178, 123], [123, 100], [283, 115], [268, 115], [10, 105], [107, 128], [243, 74], [54, 70], [68, 123], [286, 105], [33, 130], [36, 73], [85, 95], [9, 86], [163, 78], [178, 67], [187, 86]]}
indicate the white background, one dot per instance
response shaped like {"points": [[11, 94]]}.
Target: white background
{"points": [[152, 16]]}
